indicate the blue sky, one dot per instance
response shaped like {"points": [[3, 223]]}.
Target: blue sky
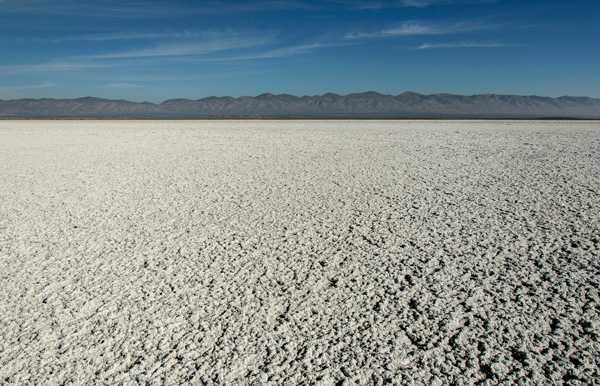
{"points": [[156, 50]]}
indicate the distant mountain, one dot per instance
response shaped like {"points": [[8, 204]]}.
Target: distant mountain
{"points": [[359, 105]]}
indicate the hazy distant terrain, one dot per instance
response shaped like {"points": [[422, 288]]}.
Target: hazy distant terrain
{"points": [[360, 105], [299, 252]]}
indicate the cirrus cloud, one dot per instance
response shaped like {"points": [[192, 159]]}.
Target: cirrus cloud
{"points": [[414, 28], [429, 46]]}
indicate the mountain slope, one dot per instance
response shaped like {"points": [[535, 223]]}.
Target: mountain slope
{"points": [[358, 105]]}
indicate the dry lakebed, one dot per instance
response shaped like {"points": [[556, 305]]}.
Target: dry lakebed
{"points": [[299, 252]]}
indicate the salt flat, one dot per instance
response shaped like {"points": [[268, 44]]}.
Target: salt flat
{"points": [[299, 252]]}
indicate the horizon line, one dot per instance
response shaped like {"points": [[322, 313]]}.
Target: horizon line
{"points": [[305, 96]]}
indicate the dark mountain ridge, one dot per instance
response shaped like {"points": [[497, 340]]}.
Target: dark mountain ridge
{"points": [[358, 105]]}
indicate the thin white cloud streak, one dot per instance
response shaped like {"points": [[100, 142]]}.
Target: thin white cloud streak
{"points": [[426, 3], [178, 53], [416, 3], [53, 66], [163, 77], [140, 35], [182, 49], [415, 28], [280, 52], [132, 9], [122, 85], [381, 5], [121, 36], [465, 45], [28, 87]]}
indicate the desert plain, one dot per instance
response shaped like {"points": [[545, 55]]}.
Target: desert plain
{"points": [[299, 252]]}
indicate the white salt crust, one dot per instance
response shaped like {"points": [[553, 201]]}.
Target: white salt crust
{"points": [[299, 252]]}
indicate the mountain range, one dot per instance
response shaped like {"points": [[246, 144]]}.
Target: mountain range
{"points": [[358, 105]]}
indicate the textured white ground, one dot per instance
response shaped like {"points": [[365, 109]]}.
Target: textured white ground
{"points": [[299, 252]]}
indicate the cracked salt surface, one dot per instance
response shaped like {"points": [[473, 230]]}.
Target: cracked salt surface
{"points": [[308, 252]]}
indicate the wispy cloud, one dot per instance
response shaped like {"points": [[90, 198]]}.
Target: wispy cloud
{"points": [[138, 9], [217, 50], [425, 3], [416, 3], [127, 36], [52, 66], [282, 52], [171, 36], [27, 87], [183, 49], [122, 85], [391, 4], [412, 28], [465, 45]]}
